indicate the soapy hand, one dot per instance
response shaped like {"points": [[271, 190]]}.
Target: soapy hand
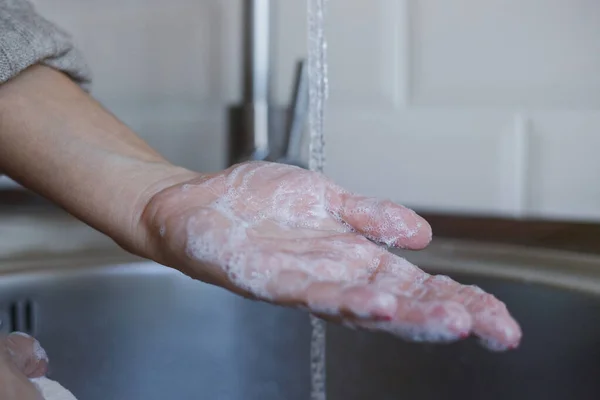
{"points": [[288, 236], [21, 359]]}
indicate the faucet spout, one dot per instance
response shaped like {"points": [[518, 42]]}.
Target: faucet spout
{"points": [[258, 60], [259, 130], [250, 120]]}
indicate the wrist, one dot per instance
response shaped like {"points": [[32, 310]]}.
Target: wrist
{"points": [[132, 230]]}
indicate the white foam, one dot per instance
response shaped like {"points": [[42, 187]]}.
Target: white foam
{"points": [[38, 352], [492, 345], [221, 233], [384, 222], [52, 390], [411, 332], [382, 301], [23, 334]]}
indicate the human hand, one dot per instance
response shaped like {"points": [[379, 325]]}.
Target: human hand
{"points": [[21, 358], [288, 236]]}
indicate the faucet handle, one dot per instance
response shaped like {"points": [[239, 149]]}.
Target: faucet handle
{"points": [[299, 112], [296, 117]]}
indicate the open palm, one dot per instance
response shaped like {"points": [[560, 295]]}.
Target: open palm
{"points": [[292, 237]]}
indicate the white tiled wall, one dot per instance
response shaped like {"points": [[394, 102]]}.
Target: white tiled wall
{"points": [[512, 54], [167, 68], [459, 105], [466, 106]]}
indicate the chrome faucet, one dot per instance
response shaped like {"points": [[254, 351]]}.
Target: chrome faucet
{"points": [[258, 129]]}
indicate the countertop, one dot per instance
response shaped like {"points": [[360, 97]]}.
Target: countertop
{"points": [[46, 231], [38, 230]]}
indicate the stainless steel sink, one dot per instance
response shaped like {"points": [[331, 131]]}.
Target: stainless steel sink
{"points": [[129, 329]]}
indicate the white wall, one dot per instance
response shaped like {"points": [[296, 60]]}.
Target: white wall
{"points": [[457, 105], [167, 68], [463, 105]]}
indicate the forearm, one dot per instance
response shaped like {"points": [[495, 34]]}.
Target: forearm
{"points": [[59, 142]]}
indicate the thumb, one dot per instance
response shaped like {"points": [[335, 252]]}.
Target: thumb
{"points": [[27, 354], [382, 220]]}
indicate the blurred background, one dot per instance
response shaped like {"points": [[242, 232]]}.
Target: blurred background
{"points": [[455, 108], [484, 116]]}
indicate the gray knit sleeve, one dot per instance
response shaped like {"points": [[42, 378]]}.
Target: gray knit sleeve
{"points": [[26, 38]]}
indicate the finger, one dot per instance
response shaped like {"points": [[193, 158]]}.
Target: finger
{"points": [[495, 326], [383, 221], [431, 321], [331, 298], [358, 301], [27, 354], [366, 305], [491, 320], [395, 270], [260, 267]]}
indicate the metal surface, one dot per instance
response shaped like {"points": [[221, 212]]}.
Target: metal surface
{"points": [[243, 145], [250, 121], [257, 51], [258, 129], [141, 331], [297, 118]]}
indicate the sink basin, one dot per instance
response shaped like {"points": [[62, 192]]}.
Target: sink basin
{"points": [[130, 329]]}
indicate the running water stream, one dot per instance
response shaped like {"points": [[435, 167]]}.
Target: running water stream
{"points": [[318, 90]]}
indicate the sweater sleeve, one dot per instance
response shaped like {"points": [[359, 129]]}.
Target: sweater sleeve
{"points": [[26, 39]]}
